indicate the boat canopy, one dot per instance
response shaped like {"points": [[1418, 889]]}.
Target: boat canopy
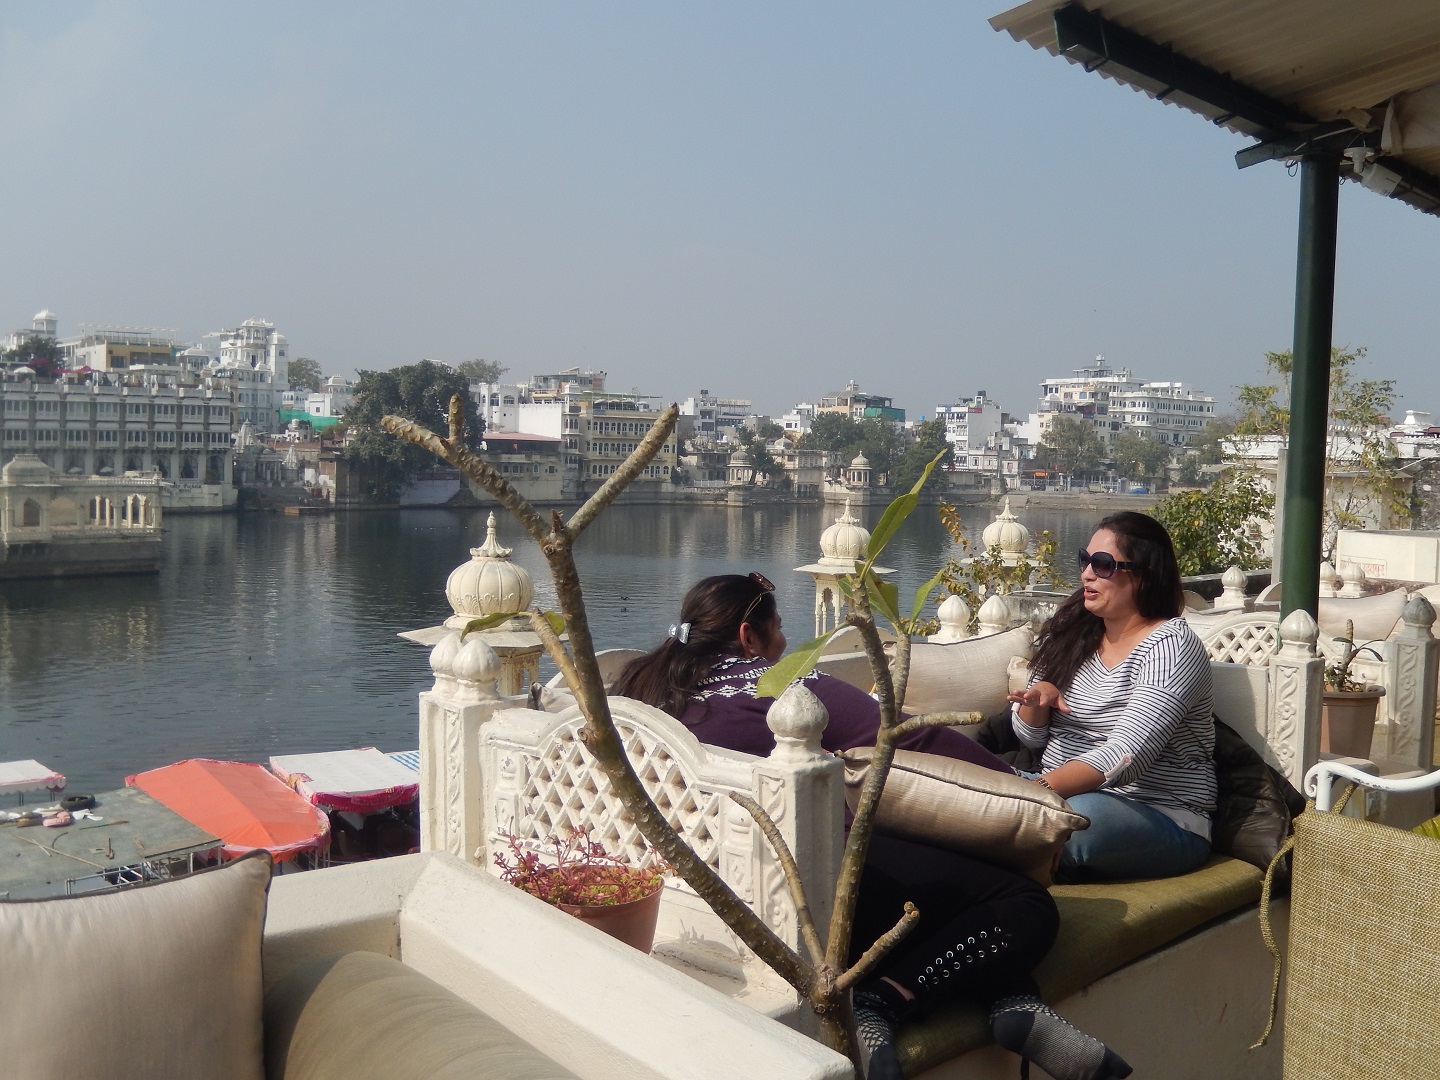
{"points": [[239, 802], [359, 781], [29, 775]]}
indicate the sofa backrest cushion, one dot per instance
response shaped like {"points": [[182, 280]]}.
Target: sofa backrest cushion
{"points": [[361, 1014], [966, 675], [157, 980]]}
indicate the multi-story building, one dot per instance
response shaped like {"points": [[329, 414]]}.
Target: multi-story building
{"points": [[1112, 399], [257, 357], [713, 419], [112, 423], [796, 423], [853, 403], [971, 423], [42, 326], [120, 348]]}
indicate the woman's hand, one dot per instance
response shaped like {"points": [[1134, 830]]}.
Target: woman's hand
{"points": [[1038, 699]]}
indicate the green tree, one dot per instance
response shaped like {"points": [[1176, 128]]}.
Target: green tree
{"points": [[1219, 526], [305, 374], [1210, 444], [1138, 456], [1071, 446], [755, 442], [1360, 470], [485, 370], [419, 392], [1190, 474], [834, 432], [40, 354], [929, 445]]}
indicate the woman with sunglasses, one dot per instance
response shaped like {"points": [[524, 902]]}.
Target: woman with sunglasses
{"points": [[983, 928], [1119, 707]]}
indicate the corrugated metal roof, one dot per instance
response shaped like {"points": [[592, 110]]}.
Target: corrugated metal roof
{"points": [[1330, 59]]}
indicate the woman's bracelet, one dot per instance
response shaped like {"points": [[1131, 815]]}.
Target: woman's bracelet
{"points": [[1044, 783]]}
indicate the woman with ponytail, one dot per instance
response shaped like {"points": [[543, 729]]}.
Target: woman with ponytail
{"points": [[982, 928], [1119, 705]]}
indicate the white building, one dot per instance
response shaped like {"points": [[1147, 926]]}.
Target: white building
{"points": [[971, 423], [42, 326], [714, 419], [1112, 399], [798, 420], [498, 404], [110, 424], [256, 356]]}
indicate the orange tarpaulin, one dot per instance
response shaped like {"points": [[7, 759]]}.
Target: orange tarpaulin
{"points": [[243, 804]]}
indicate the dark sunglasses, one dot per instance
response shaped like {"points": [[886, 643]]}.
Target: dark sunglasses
{"points": [[766, 586], [1102, 562]]}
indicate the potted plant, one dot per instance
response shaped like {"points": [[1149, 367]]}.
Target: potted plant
{"points": [[577, 875], [1347, 716]]}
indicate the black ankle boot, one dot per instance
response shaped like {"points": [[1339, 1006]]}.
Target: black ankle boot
{"points": [[879, 1010], [1030, 1028]]}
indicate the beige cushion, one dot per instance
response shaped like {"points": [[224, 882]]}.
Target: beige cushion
{"points": [[968, 808], [966, 675], [152, 982], [361, 1014], [1375, 617]]}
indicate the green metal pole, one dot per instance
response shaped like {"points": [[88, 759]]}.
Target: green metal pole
{"points": [[1310, 384]]}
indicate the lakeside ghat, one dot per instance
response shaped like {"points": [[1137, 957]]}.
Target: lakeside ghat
{"points": [[268, 634]]}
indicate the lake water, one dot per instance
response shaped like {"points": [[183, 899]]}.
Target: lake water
{"points": [[266, 634]]}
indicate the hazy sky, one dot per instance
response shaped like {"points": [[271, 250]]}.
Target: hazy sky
{"points": [[760, 199]]}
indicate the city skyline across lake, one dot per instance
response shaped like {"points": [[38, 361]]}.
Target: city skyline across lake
{"points": [[265, 634]]}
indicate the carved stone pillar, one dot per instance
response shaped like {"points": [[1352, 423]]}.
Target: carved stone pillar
{"points": [[1413, 657], [1297, 677], [802, 789], [451, 713]]}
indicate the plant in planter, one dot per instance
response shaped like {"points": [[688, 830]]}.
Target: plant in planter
{"points": [[1347, 717], [577, 875]]}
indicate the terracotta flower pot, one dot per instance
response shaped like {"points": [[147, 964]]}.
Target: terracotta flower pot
{"points": [[1347, 721], [633, 922]]}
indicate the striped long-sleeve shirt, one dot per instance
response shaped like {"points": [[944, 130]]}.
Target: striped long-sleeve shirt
{"points": [[1145, 723]]}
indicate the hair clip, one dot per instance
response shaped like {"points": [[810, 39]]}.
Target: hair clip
{"points": [[680, 633]]}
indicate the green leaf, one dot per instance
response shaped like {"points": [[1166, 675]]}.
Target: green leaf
{"points": [[486, 622], [896, 513], [884, 597], [556, 621], [794, 666], [923, 596]]}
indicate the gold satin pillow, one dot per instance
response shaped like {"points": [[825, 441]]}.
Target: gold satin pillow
{"points": [[152, 981], [959, 806]]}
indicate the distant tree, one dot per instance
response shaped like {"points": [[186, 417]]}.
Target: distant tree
{"points": [[1190, 474], [1360, 466], [419, 392], [485, 370], [754, 443], [305, 374], [883, 443], [40, 354], [1071, 446], [833, 432], [1138, 456], [1209, 445], [929, 441]]}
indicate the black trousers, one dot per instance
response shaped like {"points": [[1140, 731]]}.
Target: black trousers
{"points": [[982, 928]]}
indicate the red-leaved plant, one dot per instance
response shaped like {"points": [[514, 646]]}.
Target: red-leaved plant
{"points": [[577, 871]]}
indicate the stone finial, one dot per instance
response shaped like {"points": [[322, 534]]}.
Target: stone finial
{"points": [[442, 657], [845, 542], [798, 718], [476, 663], [1328, 578], [1418, 617], [1006, 533], [994, 615], [1232, 594], [489, 583], [1298, 634], [954, 621], [1352, 578]]}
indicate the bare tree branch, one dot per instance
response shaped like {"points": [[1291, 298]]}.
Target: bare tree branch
{"points": [[622, 477], [792, 874], [457, 421], [555, 647], [877, 952], [912, 724]]}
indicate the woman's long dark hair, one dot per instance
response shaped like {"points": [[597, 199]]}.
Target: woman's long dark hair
{"points": [[715, 608], [1071, 636]]}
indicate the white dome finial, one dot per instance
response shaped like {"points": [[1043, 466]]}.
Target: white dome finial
{"points": [[845, 542], [489, 583]]}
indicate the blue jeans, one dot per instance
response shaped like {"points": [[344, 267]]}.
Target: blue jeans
{"points": [[1127, 840]]}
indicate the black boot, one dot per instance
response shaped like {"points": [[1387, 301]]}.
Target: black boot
{"points": [[879, 1009]]}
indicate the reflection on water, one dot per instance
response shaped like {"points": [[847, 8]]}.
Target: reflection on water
{"points": [[267, 634]]}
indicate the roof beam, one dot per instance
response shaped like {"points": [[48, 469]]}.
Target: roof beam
{"points": [[1089, 38]]}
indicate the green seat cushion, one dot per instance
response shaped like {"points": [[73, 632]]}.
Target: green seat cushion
{"points": [[362, 1014], [1102, 928]]}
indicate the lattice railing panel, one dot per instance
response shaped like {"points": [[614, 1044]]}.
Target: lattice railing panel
{"points": [[1251, 644], [562, 788]]}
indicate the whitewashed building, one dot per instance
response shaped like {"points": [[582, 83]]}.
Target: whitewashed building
{"points": [[971, 424], [1113, 399], [257, 357]]}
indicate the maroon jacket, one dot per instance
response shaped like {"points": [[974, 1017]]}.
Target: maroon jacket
{"points": [[724, 711]]}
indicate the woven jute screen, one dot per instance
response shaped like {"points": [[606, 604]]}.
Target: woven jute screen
{"points": [[1363, 972]]}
